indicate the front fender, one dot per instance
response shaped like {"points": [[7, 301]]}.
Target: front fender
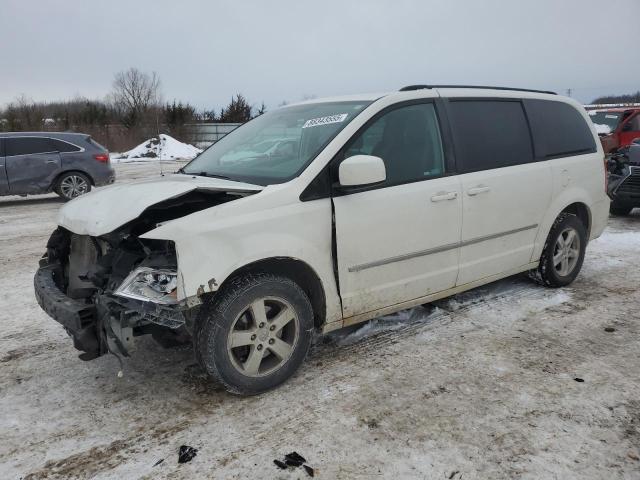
{"points": [[214, 243]]}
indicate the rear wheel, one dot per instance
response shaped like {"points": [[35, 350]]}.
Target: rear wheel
{"points": [[72, 185], [563, 252], [254, 334], [619, 210]]}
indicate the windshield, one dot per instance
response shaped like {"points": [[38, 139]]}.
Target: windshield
{"points": [[606, 122], [277, 146]]}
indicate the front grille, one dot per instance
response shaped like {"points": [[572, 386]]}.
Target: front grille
{"points": [[631, 184]]}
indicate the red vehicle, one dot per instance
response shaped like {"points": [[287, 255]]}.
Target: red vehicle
{"points": [[617, 126]]}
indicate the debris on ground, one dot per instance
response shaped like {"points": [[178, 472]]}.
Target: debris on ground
{"points": [[579, 380], [158, 462], [186, 453], [280, 464], [294, 460], [609, 329]]}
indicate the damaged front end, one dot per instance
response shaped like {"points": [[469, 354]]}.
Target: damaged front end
{"points": [[106, 290]]}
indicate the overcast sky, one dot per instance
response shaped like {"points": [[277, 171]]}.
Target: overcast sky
{"points": [[205, 51]]}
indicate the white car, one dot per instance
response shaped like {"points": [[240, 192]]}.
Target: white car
{"points": [[387, 202]]}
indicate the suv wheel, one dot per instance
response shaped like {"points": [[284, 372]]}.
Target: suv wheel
{"points": [[72, 185], [254, 334], [619, 210], [563, 252]]}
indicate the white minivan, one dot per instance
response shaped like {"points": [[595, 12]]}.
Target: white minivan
{"points": [[369, 205]]}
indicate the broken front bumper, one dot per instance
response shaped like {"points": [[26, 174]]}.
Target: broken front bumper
{"points": [[77, 317]]}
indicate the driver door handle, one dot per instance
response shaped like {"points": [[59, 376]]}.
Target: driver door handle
{"points": [[441, 196], [478, 190]]}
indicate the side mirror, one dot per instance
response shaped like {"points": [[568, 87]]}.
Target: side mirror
{"points": [[361, 170], [627, 127], [636, 141]]}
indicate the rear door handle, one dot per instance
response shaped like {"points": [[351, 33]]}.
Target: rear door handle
{"points": [[441, 196], [51, 161], [478, 190]]}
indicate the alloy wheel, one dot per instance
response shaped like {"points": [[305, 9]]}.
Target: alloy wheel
{"points": [[73, 186], [566, 251], [263, 337]]}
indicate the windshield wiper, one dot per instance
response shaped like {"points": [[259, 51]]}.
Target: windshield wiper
{"points": [[212, 175]]}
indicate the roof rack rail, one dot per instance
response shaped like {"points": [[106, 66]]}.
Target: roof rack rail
{"points": [[484, 87]]}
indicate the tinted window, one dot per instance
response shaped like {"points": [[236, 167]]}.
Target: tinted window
{"points": [[61, 146], [558, 129], [489, 134], [408, 141], [27, 145]]}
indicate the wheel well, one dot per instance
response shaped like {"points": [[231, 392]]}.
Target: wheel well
{"points": [[581, 211], [296, 270], [66, 172]]}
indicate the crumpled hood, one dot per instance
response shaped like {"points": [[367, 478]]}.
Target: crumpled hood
{"points": [[103, 210]]}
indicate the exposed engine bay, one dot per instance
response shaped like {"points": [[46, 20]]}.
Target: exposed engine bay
{"points": [[117, 286]]}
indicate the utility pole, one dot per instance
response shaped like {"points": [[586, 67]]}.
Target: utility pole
{"points": [[569, 90]]}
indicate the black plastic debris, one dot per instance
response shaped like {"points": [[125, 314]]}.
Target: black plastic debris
{"points": [[609, 329], [294, 459], [186, 453], [158, 462], [579, 380], [280, 464]]}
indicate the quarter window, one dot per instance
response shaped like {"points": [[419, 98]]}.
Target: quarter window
{"points": [[558, 129], [60, 146], [408, 141], [28, 146], [489, 134]]}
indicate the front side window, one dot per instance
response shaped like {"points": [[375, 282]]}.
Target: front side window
{"points": [[28, 146], [489, 134], [276, 146], [407, 139]]}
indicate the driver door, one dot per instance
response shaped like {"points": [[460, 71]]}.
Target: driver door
{"points": [[400, 240]]}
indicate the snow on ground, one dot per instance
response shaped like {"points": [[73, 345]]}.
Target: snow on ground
{"points": [[600, 128], [167, 148], [479, 386]]}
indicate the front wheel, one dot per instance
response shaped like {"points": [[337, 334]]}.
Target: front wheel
{"points": [[72, 185], [255, 333], [563, 252]]}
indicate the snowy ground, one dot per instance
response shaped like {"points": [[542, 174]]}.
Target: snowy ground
{"points": [[481, 386]]}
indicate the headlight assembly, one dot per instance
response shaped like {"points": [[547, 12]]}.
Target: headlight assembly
{"points": [[150, 285]]}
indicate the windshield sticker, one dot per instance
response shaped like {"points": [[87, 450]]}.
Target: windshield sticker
{"points": [[314, 122], [610, 116]]}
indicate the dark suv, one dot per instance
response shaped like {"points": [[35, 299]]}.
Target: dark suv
{"points": [[40, 162], [624, 179]]}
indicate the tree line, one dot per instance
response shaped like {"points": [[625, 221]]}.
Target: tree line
{"points": [[132, 112], [630, 98]]}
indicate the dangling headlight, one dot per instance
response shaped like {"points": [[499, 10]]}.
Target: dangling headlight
{"points": [[150, 285]]}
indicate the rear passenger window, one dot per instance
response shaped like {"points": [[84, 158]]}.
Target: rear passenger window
{"points": [[27, 146], [489, 134], [61, 146], [407, 139], [558, 129]]}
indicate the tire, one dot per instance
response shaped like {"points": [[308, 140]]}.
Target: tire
{"points": [[619, 210], [72, 184], [270, 319], [559, 267]]}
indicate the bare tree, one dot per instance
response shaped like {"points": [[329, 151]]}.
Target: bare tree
{"points": [[134, 94]]}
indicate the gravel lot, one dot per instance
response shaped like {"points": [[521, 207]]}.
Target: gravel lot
{"points": [[507, 381]]}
